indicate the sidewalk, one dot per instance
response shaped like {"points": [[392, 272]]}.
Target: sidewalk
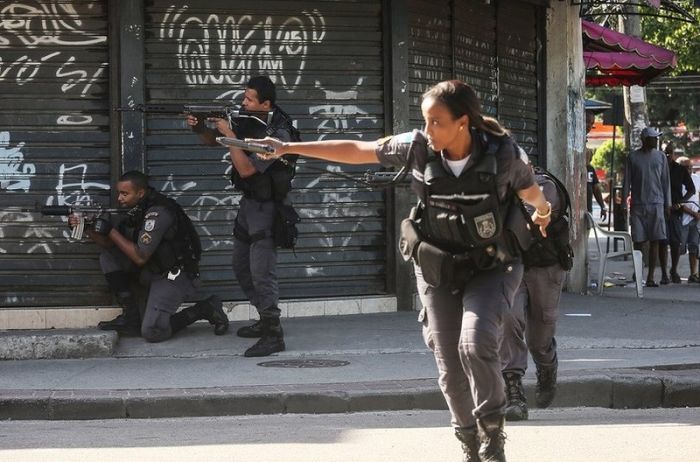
{"points": [[615, 351]]}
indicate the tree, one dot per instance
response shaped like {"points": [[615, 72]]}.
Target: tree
{"points": [[683, 38], [601, 158]]}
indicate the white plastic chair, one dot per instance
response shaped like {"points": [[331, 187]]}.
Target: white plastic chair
{"points": [[628, 249]]}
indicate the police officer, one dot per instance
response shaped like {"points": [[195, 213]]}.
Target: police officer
{"points": [[531, 321], [461, 237], [264, 185], [157, 248]]}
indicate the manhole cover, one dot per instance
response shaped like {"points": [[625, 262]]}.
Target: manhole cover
{"points": [[304, 363]]}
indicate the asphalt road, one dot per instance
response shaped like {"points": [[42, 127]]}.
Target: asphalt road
{"points": [[582, 434]]}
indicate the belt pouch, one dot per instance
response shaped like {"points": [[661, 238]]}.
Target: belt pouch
{"points": [[436, 265], [409, 240]]}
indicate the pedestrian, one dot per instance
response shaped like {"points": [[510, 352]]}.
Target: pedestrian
{"points": [[264, 185], [461, 237], [682, 190], [648, 185], [593, 188], [691, 218], [530, 323], [154, 251]]}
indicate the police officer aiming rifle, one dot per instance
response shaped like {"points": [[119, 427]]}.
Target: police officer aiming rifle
{"points": [[155, 250], [264, 185], [463, 238]]}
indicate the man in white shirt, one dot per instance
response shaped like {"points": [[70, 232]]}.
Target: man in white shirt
{"points": [[692, 218]]}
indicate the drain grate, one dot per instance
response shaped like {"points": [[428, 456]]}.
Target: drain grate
{"points": [[304, 363]]}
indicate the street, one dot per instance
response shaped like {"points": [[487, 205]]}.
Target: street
{"points": [[581, 434]]}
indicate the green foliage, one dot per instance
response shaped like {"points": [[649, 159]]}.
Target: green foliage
{"points": [[681, 37], [601, 158]]}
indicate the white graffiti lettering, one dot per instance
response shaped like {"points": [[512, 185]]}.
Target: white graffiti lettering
{"points": [[14, 173], [209, 48]]}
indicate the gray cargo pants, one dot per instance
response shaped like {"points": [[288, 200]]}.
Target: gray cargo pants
{"points": [[163, 299], [462, 328], [255, 259], [531, 321]]}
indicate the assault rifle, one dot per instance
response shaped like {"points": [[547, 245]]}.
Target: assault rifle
{"points": [[86, 213], [204, 111]]}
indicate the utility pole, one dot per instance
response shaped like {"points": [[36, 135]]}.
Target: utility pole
{"points": [[636, 116]]}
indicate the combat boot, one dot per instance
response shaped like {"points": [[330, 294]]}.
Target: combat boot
{"points": [[253, 331], [272, 340], [546, 384], [470, 443], [211, 310], [492, 439], [516, 407], [129, 321]]}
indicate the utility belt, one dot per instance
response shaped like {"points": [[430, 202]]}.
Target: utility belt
{"points": [[440, 266], [272, 185]]}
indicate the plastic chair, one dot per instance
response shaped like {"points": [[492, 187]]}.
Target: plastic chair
{"points": [[604, 256]]}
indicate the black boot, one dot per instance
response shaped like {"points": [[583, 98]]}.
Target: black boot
{"points": [[516, 407], [470, 443], [211, 310], [546, 384], [253, 331], [492, 439], [272, 340], [129, 321]]}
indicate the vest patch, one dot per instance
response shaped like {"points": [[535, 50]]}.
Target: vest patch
{"points": [[485, 225]]}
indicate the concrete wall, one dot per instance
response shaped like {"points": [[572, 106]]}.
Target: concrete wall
{"points": [[565, 122]]}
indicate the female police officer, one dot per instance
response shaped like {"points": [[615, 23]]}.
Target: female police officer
{"points": [[461, 236]]}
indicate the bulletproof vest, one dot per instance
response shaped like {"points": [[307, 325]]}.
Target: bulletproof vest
{"points": [[555, 248], [276, 182], [464, 215], [180, 247]]}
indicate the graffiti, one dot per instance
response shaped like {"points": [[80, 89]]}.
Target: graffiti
{"points": [[14, 173], [36, 24], [210, 48], [340, 118]]}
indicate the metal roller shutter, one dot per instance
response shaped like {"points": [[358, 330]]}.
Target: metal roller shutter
{"points": [[54, 147], [517, 66], [493, 47], [326, 60]]}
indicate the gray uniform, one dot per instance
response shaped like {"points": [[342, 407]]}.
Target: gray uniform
{"points": [[255, 259], [164, 295], [531, 321], [462, 326], [647, 179]]}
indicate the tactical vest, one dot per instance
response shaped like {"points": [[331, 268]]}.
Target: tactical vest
{"points": [[276, 181], [180, 247], [555, 248], [463, 216]]}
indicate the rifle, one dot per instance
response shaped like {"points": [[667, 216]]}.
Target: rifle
{"points": [[86, 213], [203, 111]]}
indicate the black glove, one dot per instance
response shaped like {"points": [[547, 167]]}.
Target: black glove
{"points": [[102, 226]]}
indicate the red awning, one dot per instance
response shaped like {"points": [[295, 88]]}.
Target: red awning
{"points": [[613, 58]]}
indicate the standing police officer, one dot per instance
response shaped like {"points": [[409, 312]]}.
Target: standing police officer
{"points": [[468, 176], [531, 321], [264, 185], [157, 248]]}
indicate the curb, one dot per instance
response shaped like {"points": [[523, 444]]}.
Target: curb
{"points": [[57, 344], [621, 389]]}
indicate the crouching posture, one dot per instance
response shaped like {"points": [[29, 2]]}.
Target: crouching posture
{"points": [[530, 323], [152, 254]]}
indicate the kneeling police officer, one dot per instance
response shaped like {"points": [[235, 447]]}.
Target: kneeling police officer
{"points": [[155, 250]]}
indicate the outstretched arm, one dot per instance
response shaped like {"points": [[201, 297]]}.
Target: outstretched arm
{"points": [[342, 151]]}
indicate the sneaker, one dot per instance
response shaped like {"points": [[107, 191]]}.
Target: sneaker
{"points": [[693, 278]]}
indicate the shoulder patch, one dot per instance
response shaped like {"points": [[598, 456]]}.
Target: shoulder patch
{"points": [[151, 215], [383, 141], [404, 138], [149, 225]]}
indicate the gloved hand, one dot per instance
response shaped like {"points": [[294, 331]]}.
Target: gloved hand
{"points": [[102, 226]]}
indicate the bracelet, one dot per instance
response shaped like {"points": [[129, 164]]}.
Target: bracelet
{"points": [[546, 215]]}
